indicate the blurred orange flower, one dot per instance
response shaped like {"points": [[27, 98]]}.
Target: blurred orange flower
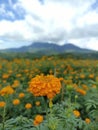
{"points": [[38, 120], [16, 101], [6, 91], [37, 103], [2, 104], [28, 106], [21, 95], [5, 76], [87, 120], [15, 84], [81, 91], [76, 113]]}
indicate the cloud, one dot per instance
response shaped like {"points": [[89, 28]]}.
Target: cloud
{"points": [[90, 43], [55, 21], [84, 32]]}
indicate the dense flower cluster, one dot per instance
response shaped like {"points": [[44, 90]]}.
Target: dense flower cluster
{"points": [[42, 85]]}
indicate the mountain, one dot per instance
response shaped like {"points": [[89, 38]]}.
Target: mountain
{"points": [[47, 48]]}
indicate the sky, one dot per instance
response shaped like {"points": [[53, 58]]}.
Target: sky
{"points": [[23, 22]]}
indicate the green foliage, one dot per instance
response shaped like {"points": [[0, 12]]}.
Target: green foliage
{"points": [[18, 123], [60, 116]]}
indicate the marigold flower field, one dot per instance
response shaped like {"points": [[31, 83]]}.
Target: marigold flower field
{"points": [[48, 93]]}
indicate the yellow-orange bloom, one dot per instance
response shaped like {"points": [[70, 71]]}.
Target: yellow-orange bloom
{"points": [[87, 120], [15, 84], [91, 76], [85, 87], [94, 86], [37, 103], [18, 75], [6, 91], [38, 120], [82, 76], [2, 104], [81, 91], [5, 76], [0, 66], [28, 106], [21, 95], [45, 86], [16, 101], [76, 113]]}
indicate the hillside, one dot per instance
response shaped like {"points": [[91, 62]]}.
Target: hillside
{"points": [[47, 48]]}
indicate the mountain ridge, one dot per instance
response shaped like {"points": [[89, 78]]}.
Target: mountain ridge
{"points": [[45, 47]]}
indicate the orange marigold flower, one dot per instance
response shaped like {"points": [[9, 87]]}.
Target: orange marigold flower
{"points": [[0, 66], [37, 103], [67, 81], [61, 79], [6, 91], [81, 91], [75, 86], [28, 106], [4, 80], [18, 75], [82, 76], [5, 76], [91, 76], [87, 120], [2, 104], [94, 86], [45, 86], [38, 120], [85, 87], [76, 113], [16, 101], [15, 84], [96, 78], [35, 123], [21, 95]]}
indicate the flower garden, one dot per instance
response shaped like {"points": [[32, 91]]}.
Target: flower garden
{"points": [[48, 93]]}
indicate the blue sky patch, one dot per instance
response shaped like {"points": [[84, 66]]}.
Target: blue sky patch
{"points": [[95, 5], [7, 12]]}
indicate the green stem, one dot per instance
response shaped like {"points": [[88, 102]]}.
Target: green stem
{"points": [[62, 92], [70, 97], [46, 107], [4, 111]]}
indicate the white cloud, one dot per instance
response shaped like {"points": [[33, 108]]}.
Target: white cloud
{"points": [[90, 43], [17, 30], [89, 18], [54, 21]]}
